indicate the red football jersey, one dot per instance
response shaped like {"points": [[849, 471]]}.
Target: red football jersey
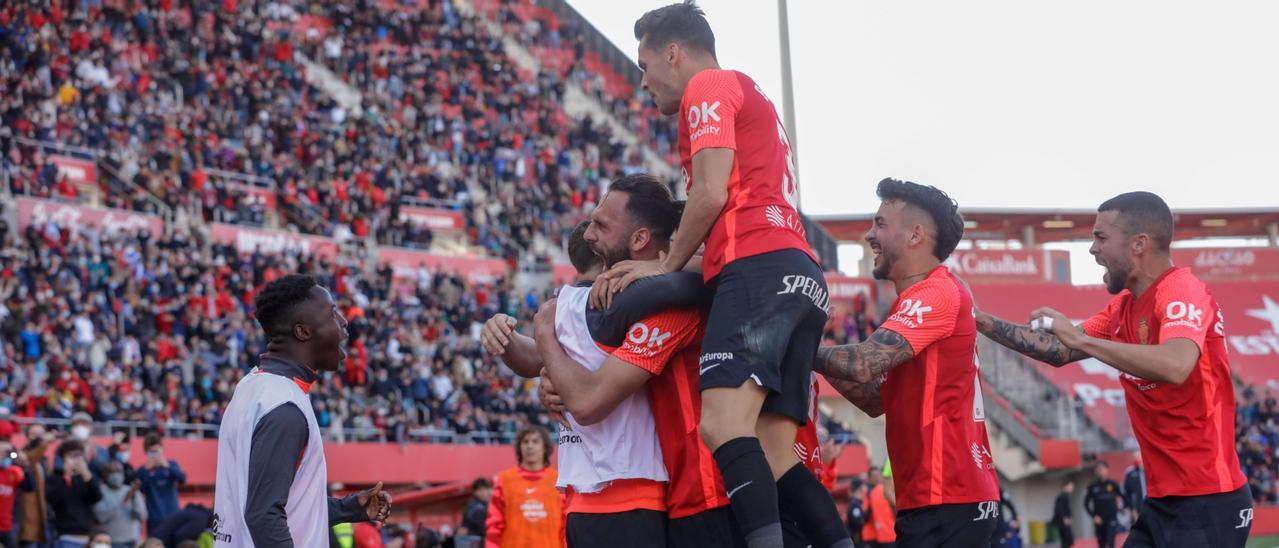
{"points": [[725, 109], [808, 448], [936, 421], [1187, 431], [668, 345]]}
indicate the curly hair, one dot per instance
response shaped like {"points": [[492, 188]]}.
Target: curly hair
{"points": [[683, 22], [943, 210], [272, 306], [546, 443]]}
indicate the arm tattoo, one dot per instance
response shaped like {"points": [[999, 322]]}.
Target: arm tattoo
{"points": [[865, 396], [864, 362], [1041, 345]]}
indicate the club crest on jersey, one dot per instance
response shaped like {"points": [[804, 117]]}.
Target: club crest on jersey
{"points": [[1143, 332]]}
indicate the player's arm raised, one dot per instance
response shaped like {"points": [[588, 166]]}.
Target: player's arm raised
{"points": [[856, 369], [1040, 345], [588, 395], [1170, 361]]}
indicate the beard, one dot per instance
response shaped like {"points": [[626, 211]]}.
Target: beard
{"points": [[612, 256], [1117, 278], [885, 265]]}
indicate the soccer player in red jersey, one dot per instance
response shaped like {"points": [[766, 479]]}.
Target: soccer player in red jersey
{"points": [[658, 353], [919, 369], [770, 295], [1163, 330]]}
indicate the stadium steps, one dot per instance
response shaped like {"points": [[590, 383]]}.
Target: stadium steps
{"points": [[577, 103], [1021, 397], [325, 80]]}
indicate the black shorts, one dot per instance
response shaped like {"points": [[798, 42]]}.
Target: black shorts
{"points": [[959, 525], [631, 529], [712, 529], [1220, 520], [765, 325]]}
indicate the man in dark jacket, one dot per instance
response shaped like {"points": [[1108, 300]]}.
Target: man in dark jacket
{"points": [[1061, 515], [476, 513], [1103, 502], [1135, 487], [72, 492]]}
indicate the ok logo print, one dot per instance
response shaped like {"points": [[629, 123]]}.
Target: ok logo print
{"points": [[698, 116]]}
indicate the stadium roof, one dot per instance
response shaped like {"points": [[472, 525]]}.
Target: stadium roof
{"points": [[1063, 225]]}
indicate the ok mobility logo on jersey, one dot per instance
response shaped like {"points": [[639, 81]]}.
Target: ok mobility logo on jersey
{"points": [[910, 313], [701, 116], [645, 341], [1183, 314]]}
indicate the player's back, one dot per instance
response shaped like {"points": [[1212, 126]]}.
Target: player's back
{"points": [[726, 109], [933, 403]]}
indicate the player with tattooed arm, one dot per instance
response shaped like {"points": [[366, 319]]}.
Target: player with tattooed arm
{"points": [[1163, 330], [919, 369]]}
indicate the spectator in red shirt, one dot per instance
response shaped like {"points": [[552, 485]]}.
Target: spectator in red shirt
{"points": [[12, 479]]}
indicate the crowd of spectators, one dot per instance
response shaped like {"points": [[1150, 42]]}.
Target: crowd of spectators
{"points": [[174, 94], [1257, 435], [157, 329]]}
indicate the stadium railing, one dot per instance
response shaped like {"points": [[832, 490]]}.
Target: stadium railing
{"points": [[333, 434], [1012, 377], [103, 162]]}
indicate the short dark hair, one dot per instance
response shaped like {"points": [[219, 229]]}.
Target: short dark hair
{"points": [[153, 439], [69, 446], [534, 431], [579, 250], [481, 483], [683, 22], [650, 203], [272, 306], [1143, 212], [940, 207]]}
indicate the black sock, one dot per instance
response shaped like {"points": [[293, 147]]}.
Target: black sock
{"points": [[751, 491], [808, 502]]}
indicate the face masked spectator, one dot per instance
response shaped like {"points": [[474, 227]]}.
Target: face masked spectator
{"points": [[122, 510]]}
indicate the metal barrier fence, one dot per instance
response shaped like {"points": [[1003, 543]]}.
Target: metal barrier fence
{"points": [[333, 434]]}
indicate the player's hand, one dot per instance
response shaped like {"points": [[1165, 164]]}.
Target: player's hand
{"points": [[376, 502], [551, 400], [496, 334], [625, 273], [1065, 331], [1096, 519], [544, 321]]}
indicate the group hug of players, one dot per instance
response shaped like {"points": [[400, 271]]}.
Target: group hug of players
{"points": [[684, 379]]}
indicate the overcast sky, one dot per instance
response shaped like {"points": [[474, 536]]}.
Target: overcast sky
{"points": [[1006, 103]]}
